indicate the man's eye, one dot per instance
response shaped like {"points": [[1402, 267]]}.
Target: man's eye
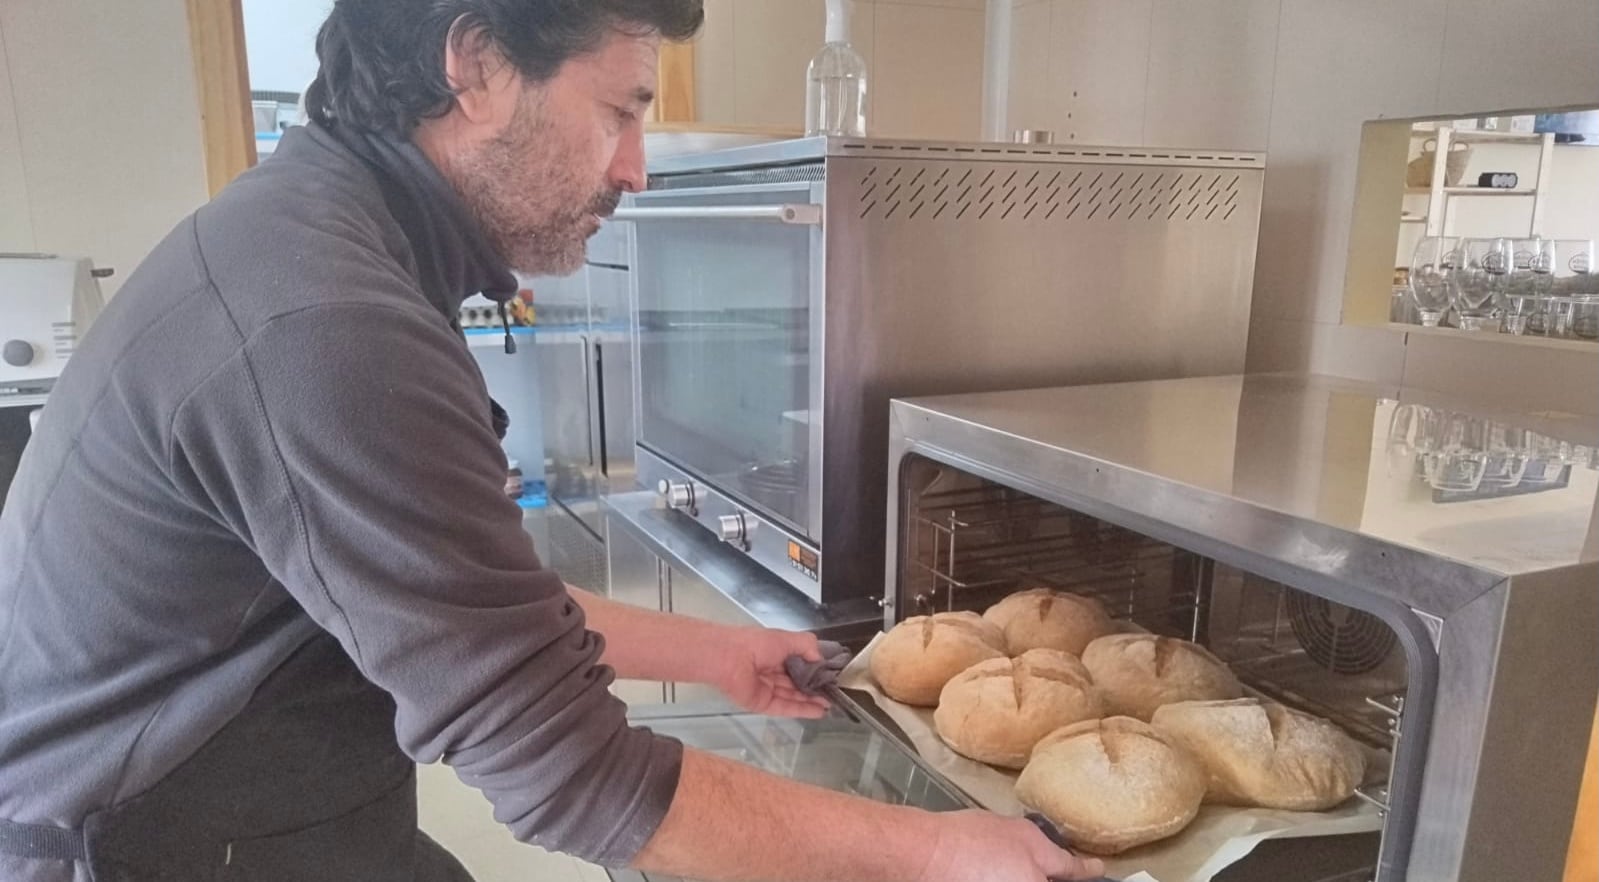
{"points": [[625, 115]]}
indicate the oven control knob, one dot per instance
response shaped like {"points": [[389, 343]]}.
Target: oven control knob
{"points": [[735, 528], [18, 353], [678, 494]]}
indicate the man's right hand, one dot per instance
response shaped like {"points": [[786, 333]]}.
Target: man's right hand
{"points": [[977, 846], [730, 822]]}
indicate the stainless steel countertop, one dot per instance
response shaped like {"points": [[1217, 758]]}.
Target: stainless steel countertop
{"points": [[686, 546], [1294, 468]]}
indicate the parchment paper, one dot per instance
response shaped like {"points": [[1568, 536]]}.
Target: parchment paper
{"points": [[1218, 838]]}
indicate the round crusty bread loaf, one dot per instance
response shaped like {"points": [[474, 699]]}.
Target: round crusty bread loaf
{"points": [[1260, 753], [1044, 619], [1140, 672], [1112, 784], [996, 710], [918, 656]]}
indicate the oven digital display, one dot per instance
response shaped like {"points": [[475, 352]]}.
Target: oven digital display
{"points": [[802, 559]]}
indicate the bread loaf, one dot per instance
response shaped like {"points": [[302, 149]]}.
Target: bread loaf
{"points": [[1044, 619], [1112, 784], [1260, 753], [996, 710], [914, 660], [1137, 673]]}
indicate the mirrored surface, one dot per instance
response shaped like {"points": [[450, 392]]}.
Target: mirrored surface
{"points": [[1497, 223], [1508, 493]]}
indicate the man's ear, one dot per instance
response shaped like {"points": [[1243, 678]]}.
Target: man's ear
{"points": [[476, 70]]}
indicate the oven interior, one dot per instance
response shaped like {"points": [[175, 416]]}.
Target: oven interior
{"points": [[967, 542]]}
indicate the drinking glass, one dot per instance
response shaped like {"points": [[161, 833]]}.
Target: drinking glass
{"points": [[1575, 286], [1481, 281], [1460, 457], [1547, 458], [1528, 289], [1434, 260], [1507, 456], [1409, 436]]}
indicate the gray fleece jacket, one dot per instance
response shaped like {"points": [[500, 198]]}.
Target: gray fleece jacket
{"points": [[274, 432]]}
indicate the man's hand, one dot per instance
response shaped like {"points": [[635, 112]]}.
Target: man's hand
{"points": [[730, 821], [977, 846], [751, 672]]}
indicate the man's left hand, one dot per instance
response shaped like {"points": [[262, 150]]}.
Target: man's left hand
{"points": [[753, 676]]}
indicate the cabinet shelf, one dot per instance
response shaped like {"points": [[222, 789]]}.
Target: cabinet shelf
{"points": [[1476, 137], [1474, 191], [1490, 337]]}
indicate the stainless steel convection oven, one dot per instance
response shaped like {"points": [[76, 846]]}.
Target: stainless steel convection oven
{"points": [[783, 293], [1292, 525]]}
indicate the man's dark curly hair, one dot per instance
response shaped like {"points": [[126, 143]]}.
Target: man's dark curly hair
{"points": [[383, 60]]}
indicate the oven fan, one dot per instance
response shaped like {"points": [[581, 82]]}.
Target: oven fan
{"points": [[1340, 639]]}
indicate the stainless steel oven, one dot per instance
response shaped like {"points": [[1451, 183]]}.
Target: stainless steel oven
{"points": [[1293, 525], [783, 293]]}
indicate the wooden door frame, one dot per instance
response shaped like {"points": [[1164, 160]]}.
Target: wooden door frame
{"points": [[227, 122], [674, 85]]}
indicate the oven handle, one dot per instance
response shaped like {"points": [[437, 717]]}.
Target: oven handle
{"points": [[588, 396], [788, 213]]}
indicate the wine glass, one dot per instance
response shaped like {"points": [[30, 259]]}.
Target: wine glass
{"points": [[1408, 437], [1460, 457], [1434, 260], [1481, 281]]}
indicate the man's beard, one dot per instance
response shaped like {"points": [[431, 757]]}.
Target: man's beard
{"points": [[530, 202]]}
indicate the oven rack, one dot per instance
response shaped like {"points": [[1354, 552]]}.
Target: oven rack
{"points": [[971, 546]]}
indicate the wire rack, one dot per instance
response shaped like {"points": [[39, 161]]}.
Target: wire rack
{"points": [[970, 546]]}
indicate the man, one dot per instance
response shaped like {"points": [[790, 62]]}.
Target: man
{"points": [[257, 561]]}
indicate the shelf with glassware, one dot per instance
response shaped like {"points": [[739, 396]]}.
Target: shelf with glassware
{"points": [[1529, 287]]}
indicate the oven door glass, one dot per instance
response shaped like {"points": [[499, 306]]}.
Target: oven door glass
{"points": [[728, 314], [15, 428]]}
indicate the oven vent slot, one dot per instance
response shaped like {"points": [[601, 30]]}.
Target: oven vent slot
{"points": [[927, 192]]}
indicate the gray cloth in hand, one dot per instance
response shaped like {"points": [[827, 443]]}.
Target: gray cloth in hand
{"points": [[812, 678]]}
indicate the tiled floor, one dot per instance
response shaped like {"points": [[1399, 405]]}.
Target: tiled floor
{"points": [[460, 819]]}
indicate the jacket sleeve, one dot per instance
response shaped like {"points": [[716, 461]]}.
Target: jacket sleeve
{"points": [[351, 446]]}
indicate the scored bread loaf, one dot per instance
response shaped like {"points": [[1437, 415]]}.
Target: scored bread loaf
{"points": [[995, 711], [1137, 673], [1260, 753], [914, 660], [1112, 784], [1041, 618]]}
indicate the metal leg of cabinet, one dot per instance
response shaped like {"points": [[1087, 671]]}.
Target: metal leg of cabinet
{"points": [[685, 594], [640, 578], [632, 579]]}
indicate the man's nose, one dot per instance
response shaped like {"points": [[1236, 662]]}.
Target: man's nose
{"points": [[627, 165]]}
